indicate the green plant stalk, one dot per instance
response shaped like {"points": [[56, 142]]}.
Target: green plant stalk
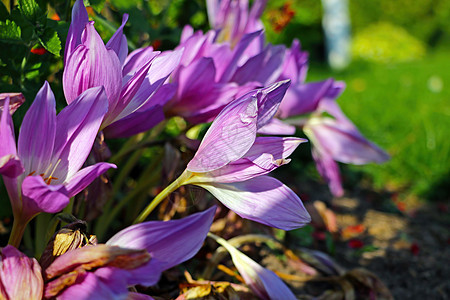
{"points": [[181, 180], [17, 233]]}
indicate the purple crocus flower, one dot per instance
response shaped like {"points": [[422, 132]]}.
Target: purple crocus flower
{"points": [[44, 172], [231, 162], [263, 282], [15, 101], [135, 255], [130, 81], [337, 139]]}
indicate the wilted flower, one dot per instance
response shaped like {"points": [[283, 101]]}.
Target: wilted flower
{"points": [[130, 82], [263, 282], [15, 101], [44, 172]]}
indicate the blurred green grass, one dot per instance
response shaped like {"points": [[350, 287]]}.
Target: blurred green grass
{"points": [[404, 108]]}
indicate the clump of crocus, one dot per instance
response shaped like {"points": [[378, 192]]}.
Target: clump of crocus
{"points": [[131, 82], [232, 162], [43, 172]]}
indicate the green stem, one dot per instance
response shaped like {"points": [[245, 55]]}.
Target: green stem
{"points": [[17, 233], [163, 195]]}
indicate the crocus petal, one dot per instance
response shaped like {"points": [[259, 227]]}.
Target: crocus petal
{"points": [[37, 133], [263, 282], [277, 127], [295, 65], [262, 199], [137, 122], [169, 243], [85, 176], [329, 170], [230, 136], [137, 59], [266, 154], [38, 196], [118, 42], [103, 284], [92, 65], [304, 98], [342, 142], [269, 100], [79, 20], [20, 276], [15, 101], [10, 164], [77, 126]]}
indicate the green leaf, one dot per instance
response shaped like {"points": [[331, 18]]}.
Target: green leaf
{"points": [[97, 5], [9, 31], [30, 10], [50, 41]]}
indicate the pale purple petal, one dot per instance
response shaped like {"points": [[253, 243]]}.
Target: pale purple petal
{"points": [[37, 133], [343, 143], [304, 98], [160, 69], [103, 284], [268, 63], [295, 65], [85, 176], [118, 42], [230, 136], [277, 127], [329, 170], [169, 243], [79, 20], [269, 100], [139, 57], [262, 199], [263, 282], [77, 126], [266, 154], [129, 90], [10, 164], [38, 196], [20, 276], [92, 65], [238, 51], [15, 101], [137, 122]]}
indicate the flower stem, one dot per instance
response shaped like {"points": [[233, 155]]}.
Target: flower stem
{"points": [[181, 180], [17, 232]]}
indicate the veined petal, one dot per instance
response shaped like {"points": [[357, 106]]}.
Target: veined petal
{"points": [[92, 65], [262, 199], [342, 142], [137, 122], [10, 164], [15, 101], [329, 170], [266, 154], [230, 136], [20, 276], [295, 65], [169, 243], [269, 100], [160, 69], [77, 126], [98, 285], [304, 98], [277, 127], [263, 282], [37, 133], [85, 176], [79, 20], [138, 58], [38, 196], [118, 42]]}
